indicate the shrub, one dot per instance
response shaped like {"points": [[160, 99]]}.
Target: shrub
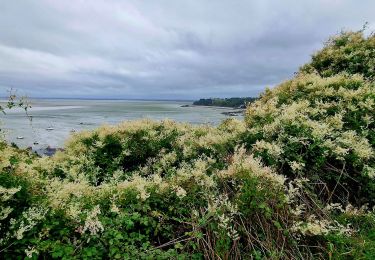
{"points": [[319, 128], [280, 185], [349, 52], [120, 150], [21, 206]]}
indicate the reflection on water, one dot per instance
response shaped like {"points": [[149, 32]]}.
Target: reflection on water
{"points": [[66, 116]]}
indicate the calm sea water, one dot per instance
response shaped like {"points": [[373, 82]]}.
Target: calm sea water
{"points": [[67, 115]]}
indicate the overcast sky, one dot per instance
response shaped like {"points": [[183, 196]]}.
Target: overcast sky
{"points": [[164, 49]]}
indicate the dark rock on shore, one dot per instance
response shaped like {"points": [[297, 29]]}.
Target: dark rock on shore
{"points": [[233, 113], [48, 151]]}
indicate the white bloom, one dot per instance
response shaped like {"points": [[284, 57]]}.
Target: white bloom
{"points": [[92, 223], [369, 171], [180, 192], [296, 166], [30, 251], [115, 209]]}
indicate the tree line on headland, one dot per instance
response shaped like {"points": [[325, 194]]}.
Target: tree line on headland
{"points": [[235, 102]]}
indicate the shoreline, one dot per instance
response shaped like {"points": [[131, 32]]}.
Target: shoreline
{"points": [[85, 115]]}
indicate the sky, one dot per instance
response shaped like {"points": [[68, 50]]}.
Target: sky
{"points": [[159, 49]]}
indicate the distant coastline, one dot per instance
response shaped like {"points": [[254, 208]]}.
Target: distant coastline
{"points": [[234, 102], [5, 98]]}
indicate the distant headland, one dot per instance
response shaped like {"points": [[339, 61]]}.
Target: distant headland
{"points": [[234, 102]]}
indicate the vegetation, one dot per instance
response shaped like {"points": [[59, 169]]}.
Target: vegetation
{"points": [[13, 101], [225, 102], [295, 180], [348, 52]]}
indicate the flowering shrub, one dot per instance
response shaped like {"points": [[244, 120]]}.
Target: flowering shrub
{"points": [[292, 181], [349, 52], [320, 128], [20, 211], [115, 152]]}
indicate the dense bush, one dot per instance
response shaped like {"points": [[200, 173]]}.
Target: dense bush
{"points": [[349, 52], [322, 129], [201, 209], [293, 181], [149, 146]]}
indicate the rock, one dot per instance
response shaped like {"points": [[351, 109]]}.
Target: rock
{"points": [[233, 113]]}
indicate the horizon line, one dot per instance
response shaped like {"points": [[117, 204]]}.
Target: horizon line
{"points": [[125, 99], [98, 98]]}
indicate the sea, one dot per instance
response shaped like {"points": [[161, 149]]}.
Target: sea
{"points": [[50, 122]]}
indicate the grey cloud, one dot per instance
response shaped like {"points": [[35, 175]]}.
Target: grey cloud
{"points": [[164, 49]]}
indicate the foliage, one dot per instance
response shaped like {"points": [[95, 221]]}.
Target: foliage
{"points": [[146, 146], [225, 102], [349, 52], [13, 101], [322, 129], [293, 181]]}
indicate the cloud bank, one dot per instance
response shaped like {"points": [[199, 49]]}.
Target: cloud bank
{"points": [[164, 49]]}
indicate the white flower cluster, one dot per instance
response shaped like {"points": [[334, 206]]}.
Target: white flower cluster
{"points": [[293, 191], [30, 218], [316, 227], [180, 192], [273, 149], [92, 223], [242, 161], [296, 166], [349, 209], [5, 195], [225, 211], [30, 251]]}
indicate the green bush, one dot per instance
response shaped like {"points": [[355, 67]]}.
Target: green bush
{"points": [[155, 146], [349, 52], [319, 128], [21, 200], [280, 185]]}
